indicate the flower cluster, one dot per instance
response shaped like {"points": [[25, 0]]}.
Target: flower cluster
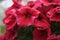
{"points": [[37, 13]]}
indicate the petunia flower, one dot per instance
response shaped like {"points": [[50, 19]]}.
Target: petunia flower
{"points": [[9, 21], [2, 37], [30, 3], [54, 14], [41, 20], [33, 4], [12, 34], [40, 7], [26, 16], [37, 14], [52, 37], [40, 34], [43, 9], [42, 26], [58, 37], [48, 2], [8, 10], [12, 9], [17, 2]]}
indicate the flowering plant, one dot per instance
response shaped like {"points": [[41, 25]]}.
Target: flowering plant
{"points": [[33, 21]]}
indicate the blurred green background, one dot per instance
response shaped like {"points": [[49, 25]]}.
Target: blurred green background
{"points": [[4, 4]]}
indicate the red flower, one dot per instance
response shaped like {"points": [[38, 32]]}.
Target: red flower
{"points": [[33, 4], [12, 34], [26, 16], [48, 2], [17, 2], [52, 37], [58, 37], [41, 20], [1, 37], [39, 6], [41, 34], [42, 30], [12, 9], [9, 21], [16, 6], [8, 10], [54, 14], [32, 0], [30, 3], [43, 9], [35, 13]]}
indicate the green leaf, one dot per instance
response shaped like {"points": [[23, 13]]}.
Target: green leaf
{"points": [[25, 34]]}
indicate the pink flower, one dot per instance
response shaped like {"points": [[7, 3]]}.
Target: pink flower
{"points": [[48, 2], [12, 9], [33, 4], [41, 34], [12, 34], [8, 10], [54, 14], [2, 37], [42, 26], [58, 37], [30, 3], [26, 16], [52, 37], [17, 2], [37, 13], [9, 21], [43, 9], [41, 20]]}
